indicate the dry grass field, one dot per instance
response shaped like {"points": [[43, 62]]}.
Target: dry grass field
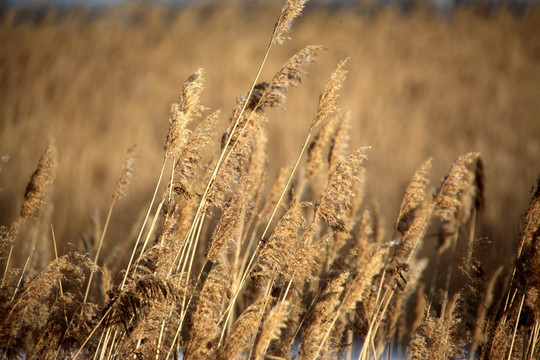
{"points": [[407, 219]]}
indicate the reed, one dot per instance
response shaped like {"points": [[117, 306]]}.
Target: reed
{"points": [[226, 265]]}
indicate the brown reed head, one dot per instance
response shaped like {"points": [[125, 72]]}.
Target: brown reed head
{"points": [[40, 181]]}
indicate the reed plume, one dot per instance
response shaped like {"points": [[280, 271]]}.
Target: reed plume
{"points": [[277, 250], [532, 217], [274, 322], [290, 75], [228, 230], [183, 112], [317, 158], [187, 167], [40, 181], [338, 195], [291, 9], [244, 331], [327, 100], [27, 315], [413, 198], [460, 191], [339, 148], [206, 329], [438, 337], [322, 314]]}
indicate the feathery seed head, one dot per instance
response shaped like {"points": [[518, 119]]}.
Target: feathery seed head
{"points": [[289, 12], [448, 200], [271, 329], [206, 317], [40, 180], [288, 76], [276, 251], [125, 174], [338, 195], [189, 160], [327, 100], [183, 112], [414, 197], [532, 217], [316, 151], [340, 142]]}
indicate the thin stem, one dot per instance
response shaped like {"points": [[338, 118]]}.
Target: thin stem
{"points": [[515, 328], [22, 273], [99, 249], [56, 258], [92, 333], [143, 226]]}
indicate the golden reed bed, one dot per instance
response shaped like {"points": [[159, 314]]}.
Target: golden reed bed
{"points": [[306, 220]]}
